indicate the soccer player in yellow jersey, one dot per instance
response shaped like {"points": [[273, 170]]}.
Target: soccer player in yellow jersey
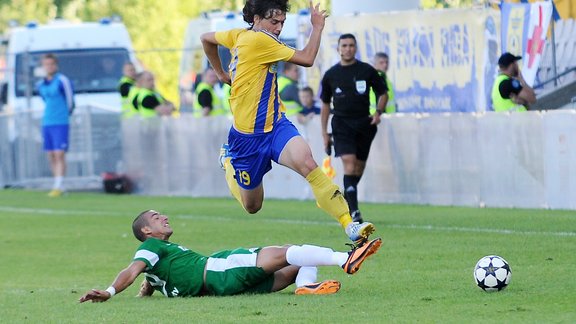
{"points": [[261, 133]]}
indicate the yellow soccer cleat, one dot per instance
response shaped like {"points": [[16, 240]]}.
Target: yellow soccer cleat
{"points": [[359, 233], [55, 193]]}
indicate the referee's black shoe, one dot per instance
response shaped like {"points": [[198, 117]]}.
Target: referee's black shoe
{"points": [[357, 217]]}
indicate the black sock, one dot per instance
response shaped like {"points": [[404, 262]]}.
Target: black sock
{"points": [[351, 191]]}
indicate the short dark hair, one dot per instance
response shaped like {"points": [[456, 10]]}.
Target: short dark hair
{"points": [[347, 36], [50, 56], [262, 8], [138, 224], [308, 89], [381, 55], [506, 59]]}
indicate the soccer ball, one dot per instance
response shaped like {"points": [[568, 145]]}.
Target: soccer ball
{"points": [[492, 273]]}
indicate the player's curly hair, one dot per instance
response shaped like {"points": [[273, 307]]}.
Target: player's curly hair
{"points": [[137, 226], [263, 8]]}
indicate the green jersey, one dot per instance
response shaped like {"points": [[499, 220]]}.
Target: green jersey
{"points": [[172, 269]]}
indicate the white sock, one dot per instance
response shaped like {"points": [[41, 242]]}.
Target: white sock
{"points": [[306, 276], [58, 182], [311, 256]]}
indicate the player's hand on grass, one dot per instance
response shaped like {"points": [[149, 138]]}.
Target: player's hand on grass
{"points": [[146, 289], [96, 296]]}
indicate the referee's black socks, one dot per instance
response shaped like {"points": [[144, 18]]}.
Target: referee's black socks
{"points": [[351, 192]]}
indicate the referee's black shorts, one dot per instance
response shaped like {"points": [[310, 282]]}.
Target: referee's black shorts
{"points": [[353, 136]]}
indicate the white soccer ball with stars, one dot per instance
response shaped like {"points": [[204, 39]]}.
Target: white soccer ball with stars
{"points": [[492, 273]]}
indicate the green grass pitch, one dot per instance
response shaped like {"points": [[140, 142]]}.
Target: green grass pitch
{"points": [[53, 250]]}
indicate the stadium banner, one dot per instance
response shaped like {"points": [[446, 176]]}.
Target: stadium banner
{"points": [[524, 29], [540, 15], [515, 19], [440, 60]]}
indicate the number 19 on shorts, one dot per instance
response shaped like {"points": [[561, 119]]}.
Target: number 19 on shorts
{"points": [[243, 177]]}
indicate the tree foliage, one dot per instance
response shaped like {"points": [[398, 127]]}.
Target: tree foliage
{"points": [[437, 4]]}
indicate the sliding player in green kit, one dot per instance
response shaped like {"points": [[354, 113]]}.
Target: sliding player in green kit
{"points": [[176, 271]]}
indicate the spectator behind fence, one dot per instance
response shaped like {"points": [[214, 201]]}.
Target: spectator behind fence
{"points": [[288, 89], [125, 85], [150, 102], [510, 92], [309, 106], [347, 85], [58, 95], [207, 102], [381, 62]]}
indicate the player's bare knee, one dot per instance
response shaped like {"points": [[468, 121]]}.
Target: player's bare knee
{"points": [[309, 164], [252, 208]]}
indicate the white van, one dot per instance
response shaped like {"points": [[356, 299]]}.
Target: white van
{"points": [[90, 54]]}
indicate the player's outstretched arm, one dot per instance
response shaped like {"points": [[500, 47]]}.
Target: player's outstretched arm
{"points": [[307, 55], [124, 279], [210, 46]]}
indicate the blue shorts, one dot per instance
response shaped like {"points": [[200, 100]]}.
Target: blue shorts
{"points": [[252, 153], [55, 137]]}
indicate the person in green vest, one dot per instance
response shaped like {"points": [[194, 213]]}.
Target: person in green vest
{"points": [[207, 102], [125, 86], [226, 89], [288, 89], [132, 109], [381, 61], [150, 102], [510, 92]]}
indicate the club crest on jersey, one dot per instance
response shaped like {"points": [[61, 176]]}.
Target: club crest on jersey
{"points": [[273, 68], [361, 86]]}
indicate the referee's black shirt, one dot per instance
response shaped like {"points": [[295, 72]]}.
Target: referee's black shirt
{"points": [[349, 86]]}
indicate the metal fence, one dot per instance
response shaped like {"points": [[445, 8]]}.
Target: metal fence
{"points": [[95, 147]]}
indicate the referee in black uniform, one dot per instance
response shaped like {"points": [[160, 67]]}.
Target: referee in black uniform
{"points": [[347, 85]]}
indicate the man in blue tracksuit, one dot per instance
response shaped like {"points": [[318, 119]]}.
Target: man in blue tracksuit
{"points": [[56, 91]]}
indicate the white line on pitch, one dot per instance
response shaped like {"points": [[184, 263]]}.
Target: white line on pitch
{"points": [[395, 226], [293, 221]]}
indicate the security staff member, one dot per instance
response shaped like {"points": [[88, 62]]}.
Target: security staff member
{"points": [[288, 89], [125, 85], [150, 102], [206, 100], [347, 85], [510, 92], [381, 61]]}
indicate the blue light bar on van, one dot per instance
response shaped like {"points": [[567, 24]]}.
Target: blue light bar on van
{"points": [[304, 12], [31, 24], [105, 21], [230, 15]]}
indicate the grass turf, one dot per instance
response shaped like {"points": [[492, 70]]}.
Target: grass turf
{"points": [[53, 250]]}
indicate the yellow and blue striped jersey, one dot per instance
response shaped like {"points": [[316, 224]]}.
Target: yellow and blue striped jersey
{"points": [[254, 99]]}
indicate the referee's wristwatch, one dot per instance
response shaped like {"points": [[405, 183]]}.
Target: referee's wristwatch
{"points": [[380, 112]]}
